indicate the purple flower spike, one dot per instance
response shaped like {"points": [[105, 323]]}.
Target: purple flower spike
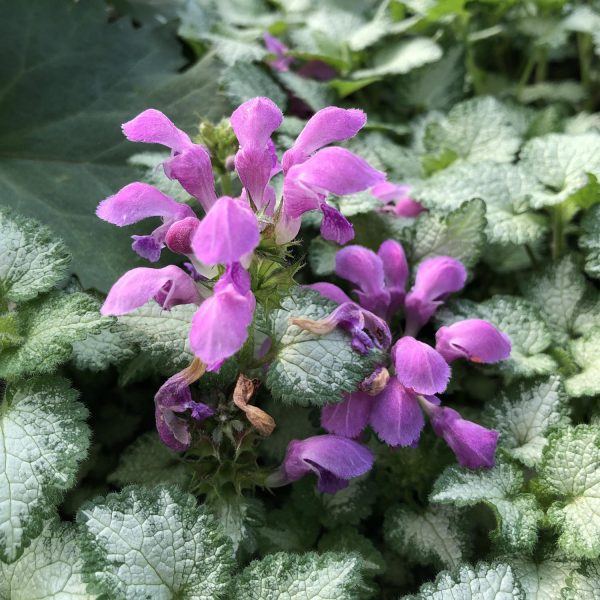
{"points": [[397, 417], [169, 286], [364, 269], [419, 367], [173, 397], [227, 233], [333, 459], [395, 269], [220, 326], [473, 445], [436, 279], [280, 50], [329, 125], [349, 417], [189, 163], [330, 291], [475, 340]]}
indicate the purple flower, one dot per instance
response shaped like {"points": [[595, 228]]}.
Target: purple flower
{"points": [[397, 200], [312, 171], [220, 325], [253, 123], [330, 291], [174, 397], [169, 286], [419, 367], [436, 279], [368, 331], [473, 445], [227, 233], [333, 459], [380, 278], [394, 414], [275, 46], [475, 340], [189, 163], [138, 201], [180, 234]]}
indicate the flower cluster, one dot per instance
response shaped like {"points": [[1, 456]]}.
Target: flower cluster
{"points": [[225, 239], [392, 401]]}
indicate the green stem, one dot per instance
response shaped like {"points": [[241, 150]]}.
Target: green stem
{"points": [[531, 61], [558, 231], [584, 49], [226, 184], [541, 68]]}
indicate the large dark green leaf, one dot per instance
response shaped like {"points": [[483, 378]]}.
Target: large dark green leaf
{"points": [[68, 79]]}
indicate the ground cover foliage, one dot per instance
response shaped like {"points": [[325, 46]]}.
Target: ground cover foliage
{"points": [[488, 111]]}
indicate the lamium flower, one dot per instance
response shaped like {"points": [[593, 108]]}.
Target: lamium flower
{"points": [[473, 339], [396, 199], [333, 459], [172, 399], [220, 325], [473, 445], [138, 201], [312, 171], [436, 279], [368, 331], [168, 286], [189, 163], [275, 46], [380, 279]]}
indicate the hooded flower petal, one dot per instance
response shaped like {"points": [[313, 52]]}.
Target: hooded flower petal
{"points": [[169, 286], [254, 165], [174, 396], [475, 340], [220, 326], [396, 416], [138, 201], [436, 279], [395, 269], [330, 291], [331, 124], [227, 233], [255, 120], [473, 445], [154, 127], [364, 269], [180, 234], [334, 460], [349, 417], [419, 367], [334, 226], [277, 47], [193, 169]]}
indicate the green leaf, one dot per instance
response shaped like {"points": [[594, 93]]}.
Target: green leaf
{"points": [[308, 576], [542, 580], [50, 567], [459, 234], [32, 260], [561, 162], [316, 94], [61, 153], [570, 470], [234, 46], [49, 326], [505, 189], [154, 543], [97, 352], [482, 582], [480, 129], [501, 489], [9, 331], [162, 335], [525, 413], [586, 354], [584, 584], [349, 506], [401, 57], [568, 303], [521, 321], [148, 461], [357, 204], [148, 165], [243, 81], [589, 241], [321, 256], [43, 438], [308, 368], [433, 536]]}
